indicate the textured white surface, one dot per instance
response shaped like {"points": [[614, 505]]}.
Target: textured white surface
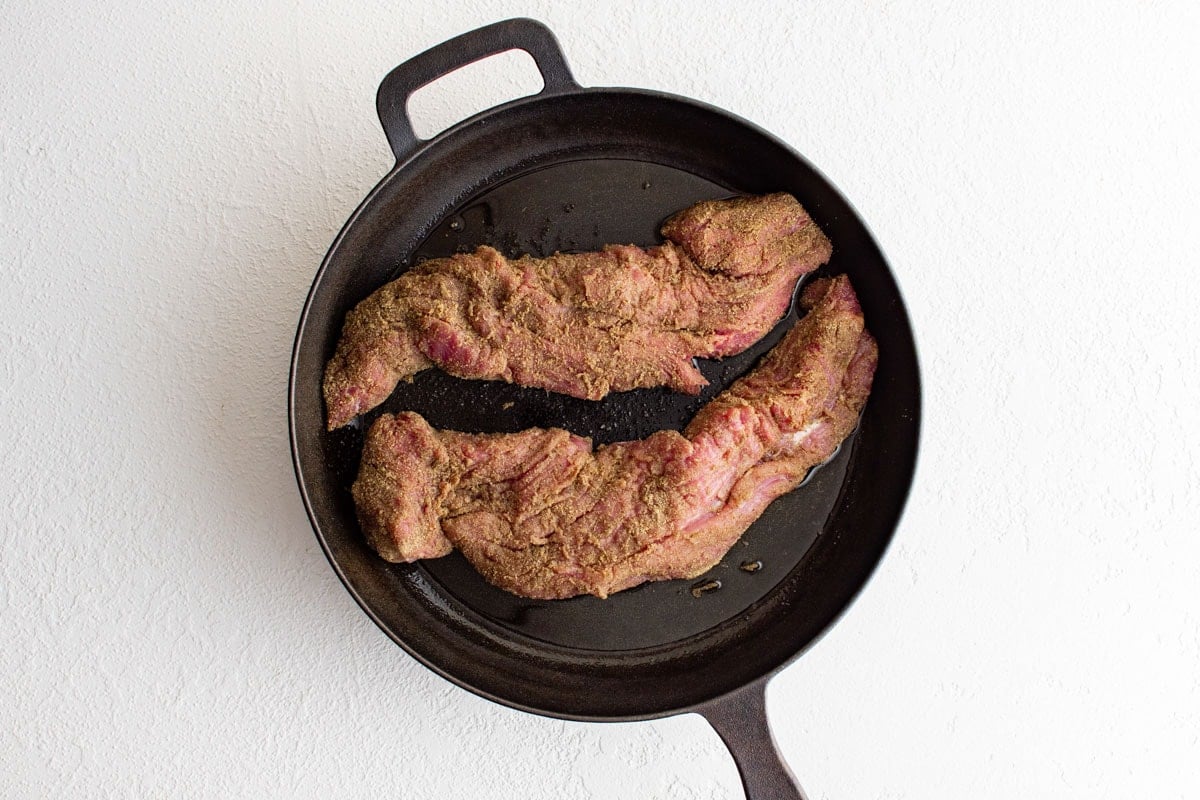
{"points": [[170, 182]]}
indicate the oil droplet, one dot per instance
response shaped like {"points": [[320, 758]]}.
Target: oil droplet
{"points": [[456, 224], [750, 566], [704, 587]]}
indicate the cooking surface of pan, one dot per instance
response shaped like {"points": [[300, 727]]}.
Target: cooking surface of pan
{"points": [[583, 205]]}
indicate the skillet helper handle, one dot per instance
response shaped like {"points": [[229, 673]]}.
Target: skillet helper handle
{"points": [[740, 719], [513, 34]]}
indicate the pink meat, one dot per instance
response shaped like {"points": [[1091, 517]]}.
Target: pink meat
{"points": [[583, 324], [541, 514]]}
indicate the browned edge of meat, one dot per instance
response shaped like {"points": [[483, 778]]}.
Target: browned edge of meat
{"points": [[541, 514], [583, 324]]}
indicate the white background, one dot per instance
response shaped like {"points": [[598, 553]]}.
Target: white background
{"points": [[170, 182]]}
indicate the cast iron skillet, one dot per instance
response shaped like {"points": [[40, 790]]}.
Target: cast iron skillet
{"points": [[573, 169]]}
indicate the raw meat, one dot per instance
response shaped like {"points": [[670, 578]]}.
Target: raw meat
{"points": [[542, 515], [583, 324]]}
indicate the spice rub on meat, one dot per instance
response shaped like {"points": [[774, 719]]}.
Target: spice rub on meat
{"points": [[583, 324], [541, 514]]}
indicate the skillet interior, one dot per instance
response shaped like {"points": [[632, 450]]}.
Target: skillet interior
{"points": [[575, 172]]}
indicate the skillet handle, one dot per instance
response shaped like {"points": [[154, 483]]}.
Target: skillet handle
{"points": [[513, 34], [740, 719]]}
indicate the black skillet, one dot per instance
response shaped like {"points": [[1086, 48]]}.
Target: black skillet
{"points": [[573, 169]]}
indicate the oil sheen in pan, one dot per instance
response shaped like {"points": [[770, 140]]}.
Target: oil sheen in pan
{"points": [[578, 206]]}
